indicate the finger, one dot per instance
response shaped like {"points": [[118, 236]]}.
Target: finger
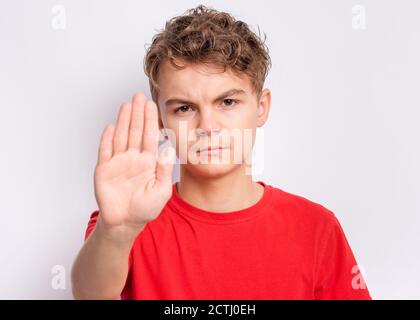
{"points": [[151, 128], [105, 146], [136, 121], [165, 167], [121, 131]]}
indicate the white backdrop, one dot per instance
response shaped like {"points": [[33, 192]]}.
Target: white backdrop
{"points": [[343, 129]]}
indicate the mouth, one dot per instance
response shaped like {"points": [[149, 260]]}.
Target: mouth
{"points": [[212, 149]]}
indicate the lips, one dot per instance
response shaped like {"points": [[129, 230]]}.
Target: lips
{"points": [[208, 149]]}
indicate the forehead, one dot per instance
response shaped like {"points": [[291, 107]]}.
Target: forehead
{"points": [[198, 80]]}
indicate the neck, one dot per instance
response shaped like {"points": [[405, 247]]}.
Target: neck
{"points": [[230, 192]]}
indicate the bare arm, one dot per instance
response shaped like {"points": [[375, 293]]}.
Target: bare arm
{"points": [[100, 270], [131, 188]]}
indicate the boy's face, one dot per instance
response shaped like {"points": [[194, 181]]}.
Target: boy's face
{"points": [[201, 107]]}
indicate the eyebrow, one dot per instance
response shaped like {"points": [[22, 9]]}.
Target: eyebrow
{"points": [[220, 97]]}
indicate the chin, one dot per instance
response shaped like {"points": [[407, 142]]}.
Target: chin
{"points": [[210, 170]]}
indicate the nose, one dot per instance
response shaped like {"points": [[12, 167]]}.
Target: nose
{"points": [[207, 124]]}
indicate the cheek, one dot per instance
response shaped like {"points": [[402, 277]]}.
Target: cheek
{"points": [[242, 124], [243, 117]]}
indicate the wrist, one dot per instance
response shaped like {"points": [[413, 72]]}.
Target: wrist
{"points": [[119, 235]]}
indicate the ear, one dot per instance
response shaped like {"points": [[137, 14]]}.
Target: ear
{"points": [[264, 104]]}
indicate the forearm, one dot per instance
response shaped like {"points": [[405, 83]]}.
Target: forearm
{"points": [[101, 267]]}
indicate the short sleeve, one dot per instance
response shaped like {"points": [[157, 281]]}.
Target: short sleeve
{"points": [[338, 276], [91, 226]]}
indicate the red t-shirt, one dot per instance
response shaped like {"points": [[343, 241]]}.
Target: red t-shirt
{"points": [[282, 247]]}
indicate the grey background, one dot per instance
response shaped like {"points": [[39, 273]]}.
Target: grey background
{"points": [[343, 129]]}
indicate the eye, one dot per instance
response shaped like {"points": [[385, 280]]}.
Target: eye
{"points": [[229, 102], [182, 109]]}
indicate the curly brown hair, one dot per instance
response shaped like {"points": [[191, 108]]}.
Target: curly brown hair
{"points": [[206, 36]]}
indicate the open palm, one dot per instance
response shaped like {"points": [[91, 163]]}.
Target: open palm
{"points": [[132, 185]]}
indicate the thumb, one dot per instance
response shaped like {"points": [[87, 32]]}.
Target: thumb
{"points": [[165, 166]]}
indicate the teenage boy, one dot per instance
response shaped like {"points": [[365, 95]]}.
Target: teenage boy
{"points": [[215, 234]]}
